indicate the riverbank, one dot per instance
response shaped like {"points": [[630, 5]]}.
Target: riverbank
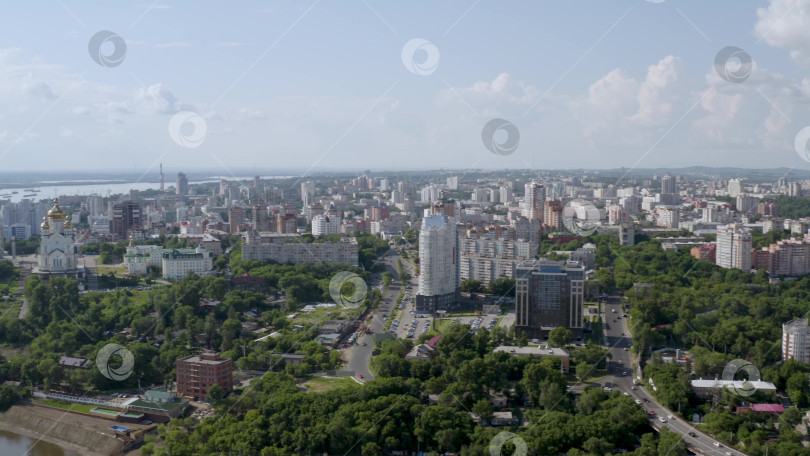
{"points": [[77, 433]]}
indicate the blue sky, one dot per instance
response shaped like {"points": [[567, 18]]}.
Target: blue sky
{"points": [[319, 85]]}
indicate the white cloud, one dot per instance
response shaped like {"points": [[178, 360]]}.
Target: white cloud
{"points": [[786, 24], [172, 45]]}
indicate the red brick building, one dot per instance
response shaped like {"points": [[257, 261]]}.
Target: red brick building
{"points": [[705, 252], [196, 373]]}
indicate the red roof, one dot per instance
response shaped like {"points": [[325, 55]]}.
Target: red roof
{"points": [[772, 408], [434, 340]]}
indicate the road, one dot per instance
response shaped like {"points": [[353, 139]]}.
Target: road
{"points": [[621, 378], [358, 357]]}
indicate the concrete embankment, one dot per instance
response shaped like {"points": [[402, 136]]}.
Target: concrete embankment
{"points": [[72, 431]]}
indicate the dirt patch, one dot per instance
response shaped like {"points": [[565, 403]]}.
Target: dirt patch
{"points": [[85, 434]]}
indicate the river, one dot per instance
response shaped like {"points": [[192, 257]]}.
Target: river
{"points": [[50, 190], [12, 444]]}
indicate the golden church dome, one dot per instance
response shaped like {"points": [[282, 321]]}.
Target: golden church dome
{"points": [[45, 225], [56, 212], [68, 225]]}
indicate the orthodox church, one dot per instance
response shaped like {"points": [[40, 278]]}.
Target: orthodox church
{"points": [[58, 252]]}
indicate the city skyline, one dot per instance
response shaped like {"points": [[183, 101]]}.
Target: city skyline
{"points": [[564, 80]]}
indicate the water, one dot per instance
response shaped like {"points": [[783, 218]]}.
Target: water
{"points": [[12, 444], [50, 190]]}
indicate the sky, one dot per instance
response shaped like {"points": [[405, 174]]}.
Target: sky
{"points": [[370, 84]]}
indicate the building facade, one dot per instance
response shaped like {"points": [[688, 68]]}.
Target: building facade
{"points": [[795, 338], [177, 263], [58, 252], [196, 373], [734, 247], [438, 264], [548, 295], [287, 248]]}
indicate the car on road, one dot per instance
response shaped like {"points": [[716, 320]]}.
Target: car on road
{"points": [[670, 417], [360, 375], [614, 310], [717, 444], [728, 453], [638, 401], [626, 393], [607, 388], [692, 434], [661, 419], [652, 412]]}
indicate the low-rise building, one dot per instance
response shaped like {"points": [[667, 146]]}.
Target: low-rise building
{"points": [[196, 373], [421, 352], [708, 388], [288, 248], [177, 263], [538, 352]]}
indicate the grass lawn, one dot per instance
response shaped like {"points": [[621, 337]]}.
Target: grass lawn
{"points": [[320, 384], [118, 272], [441, 325], [81, 408], [10, 310], [322, 314]]}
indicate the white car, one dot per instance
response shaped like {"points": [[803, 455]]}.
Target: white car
{"points": [[638, 401], [717, 444], [661, 419], [670, 417]]}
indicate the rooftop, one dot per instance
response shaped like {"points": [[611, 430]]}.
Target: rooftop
{"points": [[534, 351]]}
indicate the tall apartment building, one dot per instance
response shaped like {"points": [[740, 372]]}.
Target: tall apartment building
{"points": [[627, 233], [236, 219], [667, 217], [768, 209], [288, 248], [126, 216], [552, 215], [325, 224], [795, 341], [746, 203], [95, 205], [790, 257], [307, 192], [438, 264], [734, 247], [506, 194], [668, 184], [181, 187], [488, 258], [534, 198], [548, 295], [794, 189], [735, 187], [196, 373]]}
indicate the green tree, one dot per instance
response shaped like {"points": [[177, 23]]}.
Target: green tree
{"points": [[559, 337]]}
